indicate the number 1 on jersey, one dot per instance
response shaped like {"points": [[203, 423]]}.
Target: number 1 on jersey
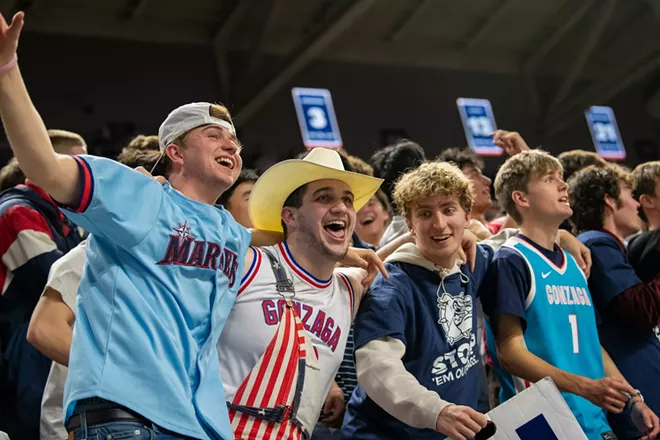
{"points": [[572, 319]]}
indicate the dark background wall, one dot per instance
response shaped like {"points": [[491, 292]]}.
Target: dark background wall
{"points": [[109, 90]]}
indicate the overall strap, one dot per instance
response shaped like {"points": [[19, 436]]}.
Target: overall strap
{"points": [[283, 284]]}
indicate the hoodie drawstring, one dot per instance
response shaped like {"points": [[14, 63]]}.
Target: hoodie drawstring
{"points": [[443, 274]]}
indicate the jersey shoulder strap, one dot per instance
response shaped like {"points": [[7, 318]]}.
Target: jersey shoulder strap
{"points": [[283, 283]]}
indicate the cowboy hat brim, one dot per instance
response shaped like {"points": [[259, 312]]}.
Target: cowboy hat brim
{"points": [[279, 181]]}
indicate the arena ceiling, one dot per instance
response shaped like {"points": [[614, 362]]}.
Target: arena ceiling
{"points": [[605, 44]]}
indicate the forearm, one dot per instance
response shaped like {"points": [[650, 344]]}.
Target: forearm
{"points": [[384, 378], [521, 363], [265, 238], [638, 307], [30, 143], [53, 340], [392, 246], [611, 369], [335, 388]]}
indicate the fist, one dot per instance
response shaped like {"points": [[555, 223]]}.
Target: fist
{"points": [[460, 422]]}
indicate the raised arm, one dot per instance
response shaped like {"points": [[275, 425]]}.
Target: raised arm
{"points": [[57, 174]]}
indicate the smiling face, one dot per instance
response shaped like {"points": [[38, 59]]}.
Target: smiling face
{"points": [[371, 221], [438, 223], [325, 220], [209, 154]]}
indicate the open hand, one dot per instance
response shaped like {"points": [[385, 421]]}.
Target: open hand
{"points": [[645, 420], [365, 259], [579, 251], [510, 141], [468, 251], [159, 179], [9, 35]]}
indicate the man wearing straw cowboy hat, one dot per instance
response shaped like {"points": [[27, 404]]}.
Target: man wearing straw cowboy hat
{"points": [[286, 333]]}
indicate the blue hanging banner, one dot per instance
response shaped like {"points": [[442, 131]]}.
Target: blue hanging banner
{"points": [[316, 116], [478, 123], [605, 133]]}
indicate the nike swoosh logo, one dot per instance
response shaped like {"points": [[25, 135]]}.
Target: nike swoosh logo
{"points": [[546, 275]]}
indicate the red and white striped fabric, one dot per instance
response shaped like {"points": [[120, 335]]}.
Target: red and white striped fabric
{"points": [[24, 235], [253, 353], [272, 383]]}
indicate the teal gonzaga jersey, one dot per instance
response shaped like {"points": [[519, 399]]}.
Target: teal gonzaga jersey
{"points": [[561, 328]]}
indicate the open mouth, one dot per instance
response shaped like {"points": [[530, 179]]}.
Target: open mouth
{"points": [[336, 229], [564, 200], [368, 220], [441, 238], [225, 162]]}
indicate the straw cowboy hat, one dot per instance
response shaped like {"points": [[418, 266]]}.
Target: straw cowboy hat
{"points": [[279, 181]]}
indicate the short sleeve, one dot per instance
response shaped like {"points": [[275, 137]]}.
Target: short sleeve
{"points": [[611, 274], [381, 313], [116, 202], [65, 275], [506, 285], [484, 257]]}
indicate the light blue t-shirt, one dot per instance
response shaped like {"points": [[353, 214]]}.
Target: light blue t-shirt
{"points": [[161, 276]]}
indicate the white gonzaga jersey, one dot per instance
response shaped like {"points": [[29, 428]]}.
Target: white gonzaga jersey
{"points": [[325, 308]]}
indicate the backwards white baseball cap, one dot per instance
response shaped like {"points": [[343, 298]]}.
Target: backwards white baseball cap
{"points": [[187, 117]]}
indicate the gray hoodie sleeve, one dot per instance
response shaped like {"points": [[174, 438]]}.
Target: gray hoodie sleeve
{"points": [[383, 376], [496, 241]]}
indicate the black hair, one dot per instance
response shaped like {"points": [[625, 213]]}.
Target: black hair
{"points": [[247, 175]]}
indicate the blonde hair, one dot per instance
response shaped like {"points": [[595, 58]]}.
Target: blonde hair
{"points": [[63, 140], [517, 172], [218, 111], [11, 175], [142, 142], [431, 179]]}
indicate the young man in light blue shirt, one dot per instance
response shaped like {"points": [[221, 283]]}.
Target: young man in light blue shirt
{"points": [[163, 268]]}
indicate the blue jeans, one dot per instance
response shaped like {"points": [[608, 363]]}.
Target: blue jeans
{"points": [[124, 431], [322, 432]]}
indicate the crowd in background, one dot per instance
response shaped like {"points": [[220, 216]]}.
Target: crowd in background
{"points": [[477, 299]]}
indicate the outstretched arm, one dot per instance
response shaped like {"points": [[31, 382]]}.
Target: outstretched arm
{"points": [[265, 238], [57, 174]]}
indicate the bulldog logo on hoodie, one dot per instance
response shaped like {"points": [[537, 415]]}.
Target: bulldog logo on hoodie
{"points": [[455, 316]]}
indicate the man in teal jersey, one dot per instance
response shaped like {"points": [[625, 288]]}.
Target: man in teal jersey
{"points": [[538, 301]]}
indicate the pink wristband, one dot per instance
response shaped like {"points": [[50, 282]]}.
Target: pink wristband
{"points": [[10, 65]]}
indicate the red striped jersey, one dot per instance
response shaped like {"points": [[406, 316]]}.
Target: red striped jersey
{"points": [[325, 308]]}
